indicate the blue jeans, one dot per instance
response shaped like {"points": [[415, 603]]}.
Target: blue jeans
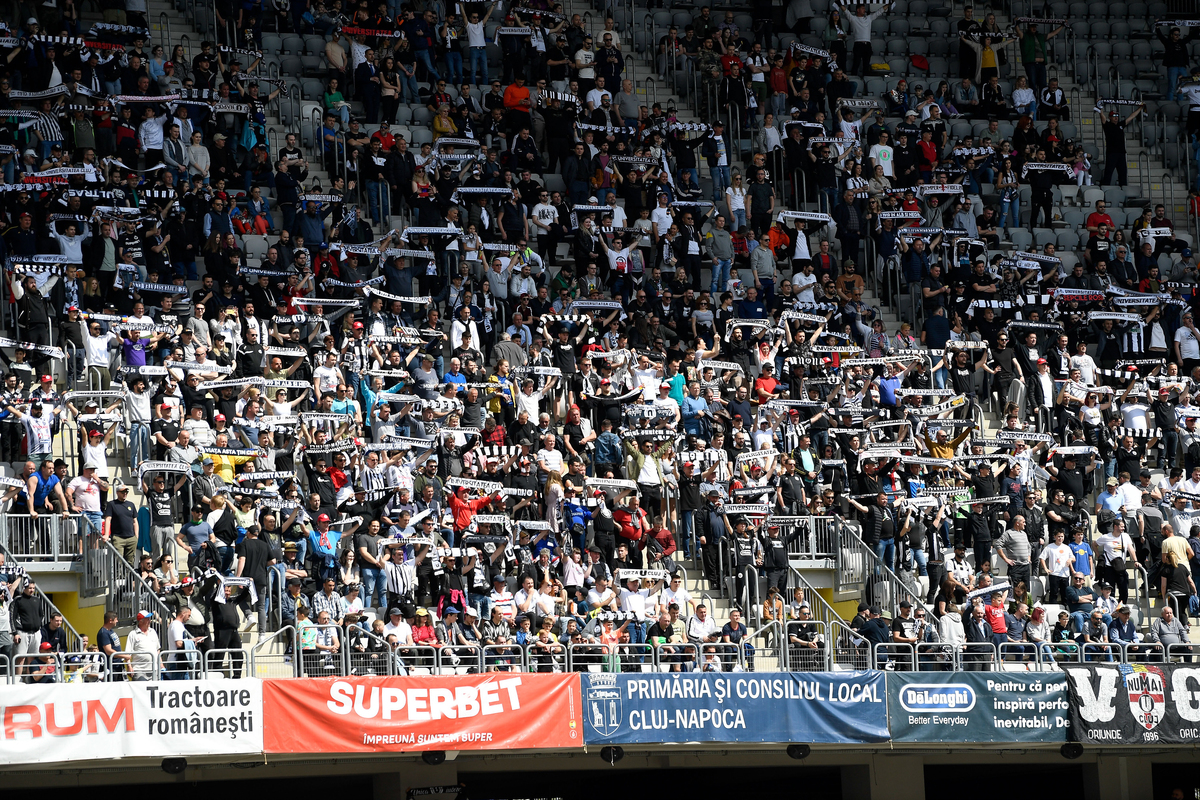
{"points": [[1011, 207], [886, 550], [377, 199], [739, 218], [720, 179], [408, 84], [767, 295], [1037, 76], [301, 549], [372, 578], [479, 57], [227, 554], [454, 65], [139, 443], [828, 199], [921, 558], [426, 60], [720, 275], [186, 270], [92, 521], [481, 603], [344, 113], [686, 526], [1173, 76], [939, 378]]}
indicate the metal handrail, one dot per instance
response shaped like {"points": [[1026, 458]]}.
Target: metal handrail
{"points": [[22, 533], [125, 591], [164, 23], [900, 591], [262, 643], [753, 608], [48, 608], [823, 612], [818, 659]]}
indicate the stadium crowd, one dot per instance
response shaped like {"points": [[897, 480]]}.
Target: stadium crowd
{"points": [[507, 419]]}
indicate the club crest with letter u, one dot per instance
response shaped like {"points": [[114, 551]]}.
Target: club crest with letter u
{"points": [[1146, 687]]}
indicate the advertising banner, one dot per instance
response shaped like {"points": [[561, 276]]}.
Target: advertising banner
{"points": [[499, 711], [1134, 704], [972, 707], [81, 722], [841, 707]]}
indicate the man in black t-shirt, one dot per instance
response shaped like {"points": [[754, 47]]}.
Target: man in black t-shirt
{"points": [[164, 430], [121, 528], [253, 559], [162, 512], [1114, 147], [689, 504]]}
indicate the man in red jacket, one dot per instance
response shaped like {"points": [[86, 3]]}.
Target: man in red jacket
{"points": [[632, 523], [661, 542], [464, 509]]}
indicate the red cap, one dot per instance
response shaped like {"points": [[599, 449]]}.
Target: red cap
{"points": [[1042, 361], [219, 418], [688, 464], [46, 647], [323, 518], [46, 379], [168, 64], [165, 405], [1161, 392], [605, 382], [664, 385], [358, 326], [73, 308]]}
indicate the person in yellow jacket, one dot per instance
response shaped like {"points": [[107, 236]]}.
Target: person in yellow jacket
{"points": [[941, 447], [225, 465]]}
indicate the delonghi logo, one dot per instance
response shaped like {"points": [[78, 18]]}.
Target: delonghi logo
{"points": [[937, 697]]}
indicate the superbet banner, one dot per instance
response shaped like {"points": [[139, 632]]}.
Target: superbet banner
{"points": [[82, 722], [497, 711]]}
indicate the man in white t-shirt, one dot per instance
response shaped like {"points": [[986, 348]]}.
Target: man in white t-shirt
{"points": [[675, 593], [805, 281], [881, 154], [477, 44], [1187, 344], [660, 218], [398, 626], [1058, 562], [548, 458], [585, 60], [327, 376], [601, 596], [635, 601]]}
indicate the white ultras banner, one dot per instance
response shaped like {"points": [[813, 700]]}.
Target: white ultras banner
{"points": [[81, 722]]}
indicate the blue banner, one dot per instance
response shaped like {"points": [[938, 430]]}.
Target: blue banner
{"points": [[969, 707], [827, 707]]}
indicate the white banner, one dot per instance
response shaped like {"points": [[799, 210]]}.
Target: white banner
{"points": [[87, 722]]}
